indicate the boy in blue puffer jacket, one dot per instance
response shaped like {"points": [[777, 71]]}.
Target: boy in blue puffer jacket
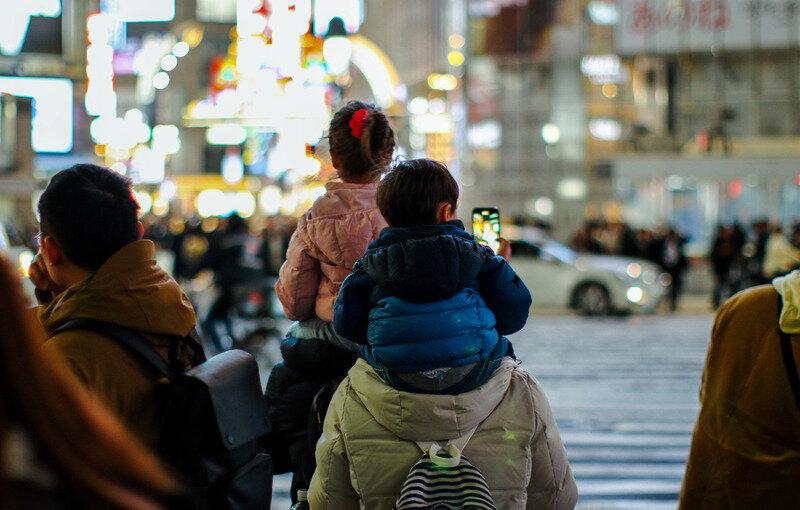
{"points": [[426, 281]]}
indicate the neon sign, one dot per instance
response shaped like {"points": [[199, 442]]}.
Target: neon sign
{"points": [[17, 17], [51, 127]]}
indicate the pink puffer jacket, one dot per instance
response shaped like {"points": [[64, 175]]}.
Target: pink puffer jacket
{"points": [[328, 241]]}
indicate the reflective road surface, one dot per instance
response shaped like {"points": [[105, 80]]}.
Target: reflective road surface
{"points": [[625, 395]]}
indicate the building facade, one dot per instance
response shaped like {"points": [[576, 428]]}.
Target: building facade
{"points": [[708, 111], [651, 112]]}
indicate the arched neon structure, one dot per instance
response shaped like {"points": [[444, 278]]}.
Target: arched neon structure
{"points": [[379, 71]]}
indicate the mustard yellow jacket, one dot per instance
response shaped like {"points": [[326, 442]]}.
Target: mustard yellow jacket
{"points": [[746, 446], [132, 291], [368, 443]]}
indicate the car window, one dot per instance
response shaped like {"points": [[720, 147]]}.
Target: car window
{"points": [[524, 249], [5, 244], [558, 251], [548, 251]]}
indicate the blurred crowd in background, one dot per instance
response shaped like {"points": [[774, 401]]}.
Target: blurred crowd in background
{"points": [[739, 257]]}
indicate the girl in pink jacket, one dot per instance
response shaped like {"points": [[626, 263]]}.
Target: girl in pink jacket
{"points": [[329, 239], [335, 232]]}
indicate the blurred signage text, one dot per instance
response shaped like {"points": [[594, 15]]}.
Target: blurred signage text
{"points": [[489, 8], [603, 69], [666, 26]]}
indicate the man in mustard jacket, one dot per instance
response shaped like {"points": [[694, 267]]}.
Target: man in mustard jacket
{"points": [[93, 264], [746, 446]]}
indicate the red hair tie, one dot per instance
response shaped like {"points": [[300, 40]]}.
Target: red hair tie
{"points": [[135, 201], [357, 122]]}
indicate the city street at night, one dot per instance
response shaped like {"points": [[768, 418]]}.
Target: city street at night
{"points": [[625, 393], [304, 254]]}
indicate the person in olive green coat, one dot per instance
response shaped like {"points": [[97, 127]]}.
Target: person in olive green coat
{"points": [[92, 264], [745, 450], [368, 441]]}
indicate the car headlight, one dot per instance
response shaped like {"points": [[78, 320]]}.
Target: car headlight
{"points": [[635, 295], [25, 259]]}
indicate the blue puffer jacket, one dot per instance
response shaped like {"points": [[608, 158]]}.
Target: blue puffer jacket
{"points": [[415, 337], [433, 287]]}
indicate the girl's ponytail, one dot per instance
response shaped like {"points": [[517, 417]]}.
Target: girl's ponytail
{"points": [[366, 141], [362, 138]]}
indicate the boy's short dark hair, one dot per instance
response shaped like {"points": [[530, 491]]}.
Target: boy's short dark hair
{"points": [[91, 212], [411, 192]]}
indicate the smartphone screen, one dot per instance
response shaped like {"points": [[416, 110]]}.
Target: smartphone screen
{"points": [[486, 226]]}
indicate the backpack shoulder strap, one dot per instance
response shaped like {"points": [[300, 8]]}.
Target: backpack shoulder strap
{"points": [[132, 340], [789, 362], [195, 346]]}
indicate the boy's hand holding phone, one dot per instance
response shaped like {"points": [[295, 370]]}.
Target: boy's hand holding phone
{"points": [[486, 228], [505, 249]]}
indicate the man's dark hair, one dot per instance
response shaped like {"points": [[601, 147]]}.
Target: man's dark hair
{"points": [[410, 194], [91, 212]]}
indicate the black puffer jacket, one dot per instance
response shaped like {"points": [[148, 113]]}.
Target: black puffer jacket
{"points": [[308, 365]]}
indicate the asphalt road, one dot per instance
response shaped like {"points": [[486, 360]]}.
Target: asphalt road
{"points": [[624, 392], [625, 396]]}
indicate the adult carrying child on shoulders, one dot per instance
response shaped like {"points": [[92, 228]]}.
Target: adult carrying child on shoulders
{"points": [[329, 239], [437, 413]]}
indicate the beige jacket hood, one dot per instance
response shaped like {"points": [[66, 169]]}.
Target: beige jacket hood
{"points": [[789, 288], [420, 417]]}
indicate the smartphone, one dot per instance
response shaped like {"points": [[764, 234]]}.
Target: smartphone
{"points": [[486, 226]]}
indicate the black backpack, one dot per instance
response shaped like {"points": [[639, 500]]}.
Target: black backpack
{"points": [[213, 416], [316, 420]]}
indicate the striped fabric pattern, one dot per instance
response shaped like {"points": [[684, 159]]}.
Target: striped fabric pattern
{"points": [[432, 486]]}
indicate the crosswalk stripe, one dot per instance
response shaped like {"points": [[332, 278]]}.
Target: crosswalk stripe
{"points": [[652, 470], [631, 440]]}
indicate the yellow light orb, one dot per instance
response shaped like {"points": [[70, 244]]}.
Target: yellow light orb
{"points": [[610, 90], [193, 35], [456, 58]]}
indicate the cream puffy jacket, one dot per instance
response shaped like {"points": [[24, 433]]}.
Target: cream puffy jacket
{"points": [[780, 256], [328, 241], [367, 446]]}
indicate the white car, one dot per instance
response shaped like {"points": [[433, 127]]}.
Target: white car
{"points": [[557, 276], [21, 257]]}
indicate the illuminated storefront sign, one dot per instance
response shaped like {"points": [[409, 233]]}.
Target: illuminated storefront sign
{"points": [[226, 134], [350, 11], [134, 11], [16, 18], [216, 11], [603, 12], [668, 26], [489, 8], [100, 96], [603, 68], [51, 128], [607, 130]]}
